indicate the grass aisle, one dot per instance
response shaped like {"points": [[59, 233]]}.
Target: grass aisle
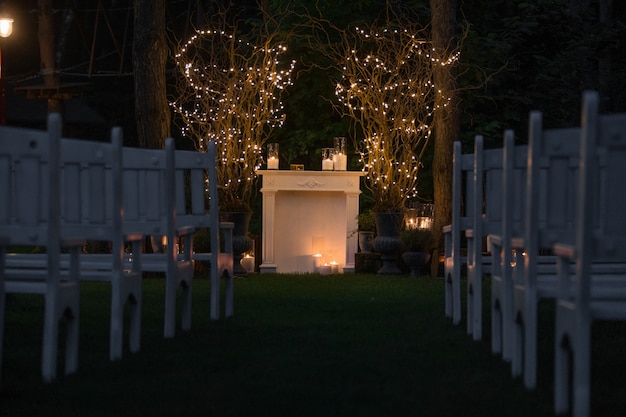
{"points": [[354, 345]]}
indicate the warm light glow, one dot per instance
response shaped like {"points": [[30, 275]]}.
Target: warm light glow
{"points": [[6, 27], [419, 216], [387, 89], [229, 90], [272, 163], [247, 262]]}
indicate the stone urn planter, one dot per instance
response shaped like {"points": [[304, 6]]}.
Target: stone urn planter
{"points": [[366, 231], [416, 243], [415, 261], [366, 241], [241, 241], [388, 242]]}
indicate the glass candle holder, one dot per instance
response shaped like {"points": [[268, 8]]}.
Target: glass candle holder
{"points": [[340, 158], [327, 159], [272, 156]]}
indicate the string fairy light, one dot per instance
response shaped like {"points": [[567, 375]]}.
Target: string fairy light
{"points": [[229, 91], [386, 88]]}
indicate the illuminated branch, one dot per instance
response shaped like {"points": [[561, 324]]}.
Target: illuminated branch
{"points": [[229, 90], [385, 86]]}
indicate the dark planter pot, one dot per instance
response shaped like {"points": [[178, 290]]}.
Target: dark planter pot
{"points": [[387, 241], [366, 241], [415, 261], [241, 241]]}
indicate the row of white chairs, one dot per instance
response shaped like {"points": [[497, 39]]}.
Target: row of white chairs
{"points": [[58, 193], [543, 220]]}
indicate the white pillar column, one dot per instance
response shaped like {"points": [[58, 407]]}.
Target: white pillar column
{"points": [[269, 205], [352, 241]]}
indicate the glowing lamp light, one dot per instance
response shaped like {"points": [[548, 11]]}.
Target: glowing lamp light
{"points": [[6, 27], [419, 216]]}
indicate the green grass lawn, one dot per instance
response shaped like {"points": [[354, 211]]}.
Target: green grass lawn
{"points": [[299, 345]]}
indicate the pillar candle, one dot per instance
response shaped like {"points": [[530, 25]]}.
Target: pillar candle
{"points": [[272, 163], [340, 162], [324, 269], [248, 263], [327, 164]]}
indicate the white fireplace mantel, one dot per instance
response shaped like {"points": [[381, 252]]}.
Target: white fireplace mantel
{"points": [[307, 213]]}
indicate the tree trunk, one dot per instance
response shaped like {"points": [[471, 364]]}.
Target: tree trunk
{"points": [[47, 51], [150, 53], [446, 123], [605, 63]]}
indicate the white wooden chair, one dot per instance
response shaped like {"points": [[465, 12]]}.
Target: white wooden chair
{"points": [[91, 206], [4, 242], [197, 207], [462, 192], [514, 162], [150, 209], [30, 213], [600, 236], [549, 216], [487, 219]]}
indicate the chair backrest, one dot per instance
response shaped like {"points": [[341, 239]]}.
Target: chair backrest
{"points": [[91, 186], [492, 201], [514, 176], [602, 190], [487, 189], [29, 185], [148, 191], [462, 188], [553, 159], [30, 205], [196, 191]]}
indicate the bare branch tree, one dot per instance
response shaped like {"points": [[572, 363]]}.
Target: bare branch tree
{"points": [[386, 89], [385, 85], [229, 90]]}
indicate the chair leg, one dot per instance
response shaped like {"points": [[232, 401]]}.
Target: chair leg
{"points": [[582, 369], [215, 296], [470, 306], [456, 299], [530, 348], [506, 320], [73, 313], [116, 324], [3, 302], [229, 295], [448, 291], [496, 317], [562, 357], [2, 307], [50, 341], [71, 343], [186, 305], [518, 359], [169, 326], [134, 341], [474, 305]]}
